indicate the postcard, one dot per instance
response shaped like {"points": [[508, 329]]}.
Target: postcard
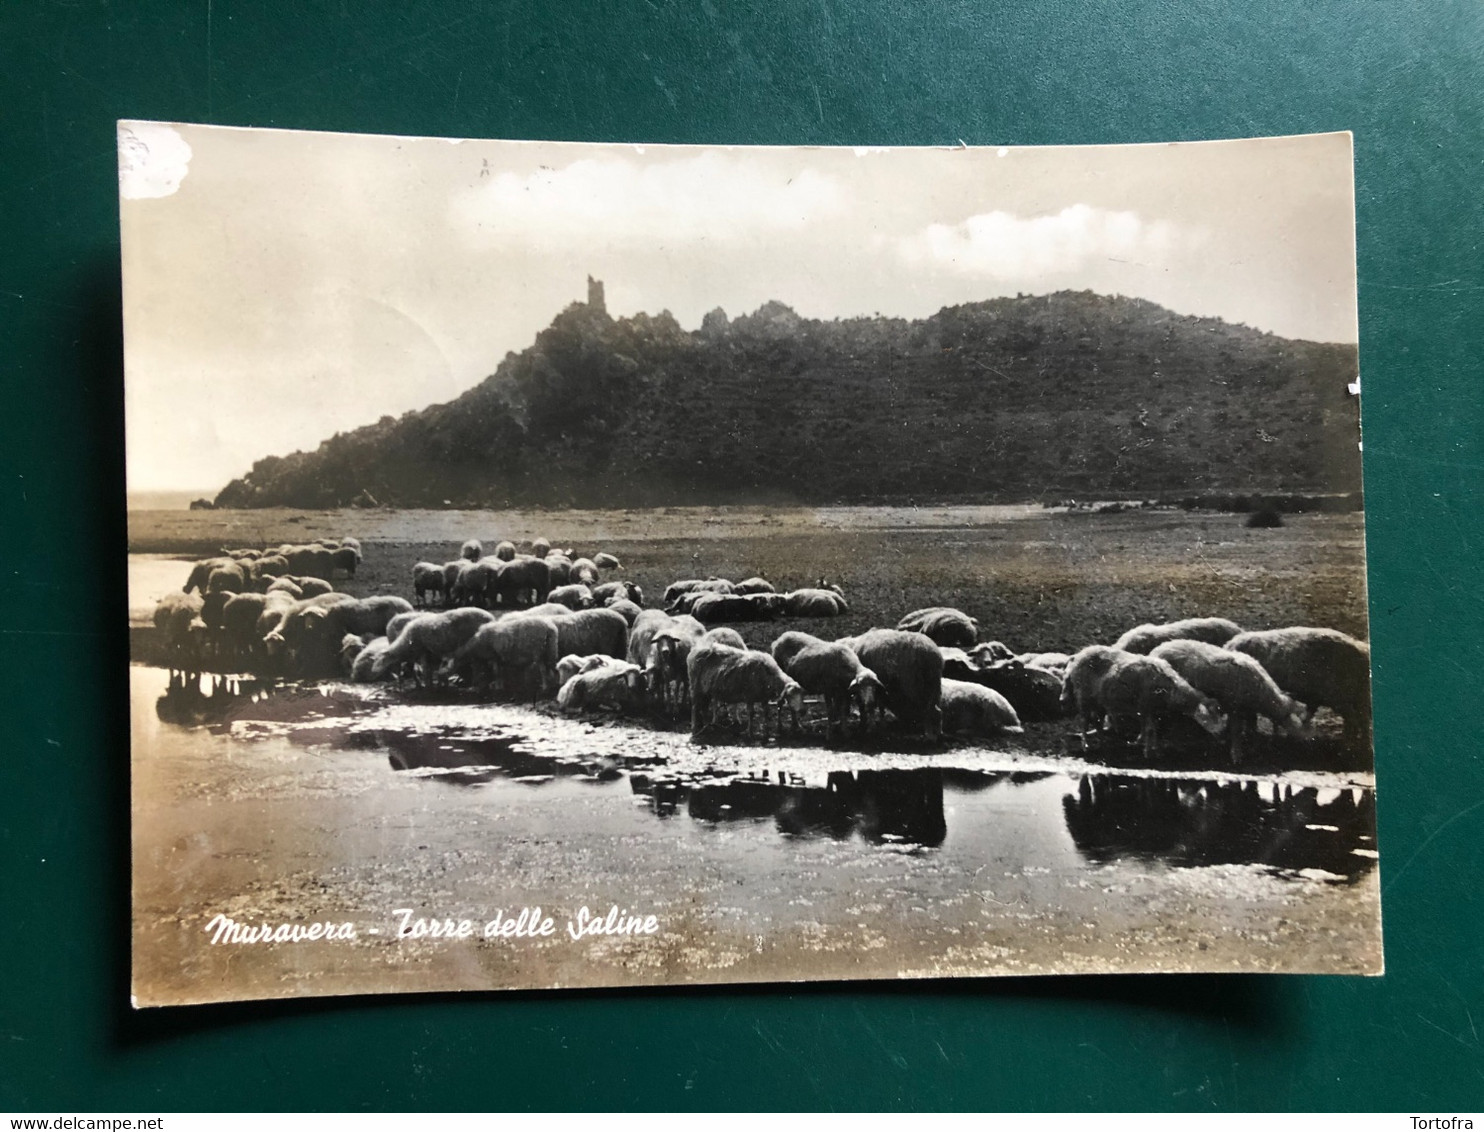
{"points": [[593, 565]]}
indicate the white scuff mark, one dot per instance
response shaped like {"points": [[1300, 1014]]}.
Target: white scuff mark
{"points": [[1002, 152], [153, 160], [1354, 387]]}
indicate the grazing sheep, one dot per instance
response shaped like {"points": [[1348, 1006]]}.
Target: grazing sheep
{"points": [[626, 590], [290, 630], [833, 671], [239, 624], [362, 669], [618, 686], [314, 633], [451, 572], [720, 674], [558, 569], [591, 632], [584, 572], [1240, 686], [606, 561], [624, 607], [540, 547], [472, 550], [713, 609], [277, 605], [943, 625], [573, 596], [431, 638], [173, 617], [269, 566], [346, 559], [815, 603], [1081, 693], [708, 585], [972, 709], [1139, 687], [754, 586], [350, 647], [285, 585], [523, 646], [505, 550], [788, 645], [311, 561], [231, 578], [314, 587], [569, 666], [1317, 667], [427, 578], [201, 571], [911, 671], [1147, 638], [353, 543], [478, 582], [523, 581], [395, 626]]}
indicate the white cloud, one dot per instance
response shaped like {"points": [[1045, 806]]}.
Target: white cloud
{"points": [[153, 160], [711, 197], [1001, 245]]}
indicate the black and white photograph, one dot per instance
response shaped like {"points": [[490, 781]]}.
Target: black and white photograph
{"points": [[561, 565]]}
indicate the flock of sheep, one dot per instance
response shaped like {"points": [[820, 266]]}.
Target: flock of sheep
{"points": [[544, 623]]}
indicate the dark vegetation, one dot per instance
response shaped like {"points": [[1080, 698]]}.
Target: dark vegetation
{"points": [[1035, 397]]}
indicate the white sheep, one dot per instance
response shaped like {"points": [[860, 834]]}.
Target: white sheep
{"points": [[1146, 638], [1317, 667], [505, 550], [427, 577], [1139, 687], [591, 631], [472, 550], [575, 596], [721, 674], [831, 670], [1239, 685], [815, 603], [606, 561], [911, 671], [1081, 690], [943, 625], [525, 647], [972, 709], [618, 685], [430, 638], [570, 666]]}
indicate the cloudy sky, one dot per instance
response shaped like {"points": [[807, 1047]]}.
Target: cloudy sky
{"points": [[282, 286]]}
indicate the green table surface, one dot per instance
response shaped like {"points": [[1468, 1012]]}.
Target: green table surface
{"points": [[1404, 76]]}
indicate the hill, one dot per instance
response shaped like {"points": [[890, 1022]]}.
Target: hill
{"points": [[1033, 397]]}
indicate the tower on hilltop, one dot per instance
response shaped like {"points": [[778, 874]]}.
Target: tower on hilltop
{"points": [[595, 295]]}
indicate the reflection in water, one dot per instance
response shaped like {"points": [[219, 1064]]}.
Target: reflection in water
{"points": [[883, 806], [1097, 819], [1193, 822], [464, 761]]}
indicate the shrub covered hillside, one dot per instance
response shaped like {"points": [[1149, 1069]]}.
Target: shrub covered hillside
{"points": [[1067, 394]]}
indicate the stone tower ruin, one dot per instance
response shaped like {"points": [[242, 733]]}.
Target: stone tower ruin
{"points": [[595, 295]]}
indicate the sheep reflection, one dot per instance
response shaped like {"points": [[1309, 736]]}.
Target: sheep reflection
{"points": [[882, 806], [1193, 822]]}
